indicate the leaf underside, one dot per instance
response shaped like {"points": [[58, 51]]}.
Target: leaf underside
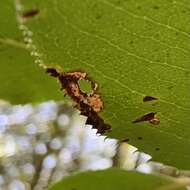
{"points": [[131, 49], [113, 179]]}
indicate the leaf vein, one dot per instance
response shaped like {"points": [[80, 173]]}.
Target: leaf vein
{"points": [[111, 44], [146, 18]]}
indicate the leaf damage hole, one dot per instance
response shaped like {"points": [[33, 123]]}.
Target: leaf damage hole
{"points": [[150, 117], [90, 103], [139, 138], [85, 86], [149, 98], [30, 13], [157, 149]]}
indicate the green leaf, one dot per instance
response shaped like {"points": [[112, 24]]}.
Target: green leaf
{"points": [[132, 49], [21, 80], [114, 179]]}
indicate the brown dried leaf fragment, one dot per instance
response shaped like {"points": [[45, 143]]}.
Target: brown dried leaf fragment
{"points": [[88, 104], [95, 102], [150, 117]]}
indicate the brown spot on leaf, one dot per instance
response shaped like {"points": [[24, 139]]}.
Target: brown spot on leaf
{"points": [[126, 140], [149, 98], [150, 117], [146, 117], [53, 72], [88, 104], [30, 13]]}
